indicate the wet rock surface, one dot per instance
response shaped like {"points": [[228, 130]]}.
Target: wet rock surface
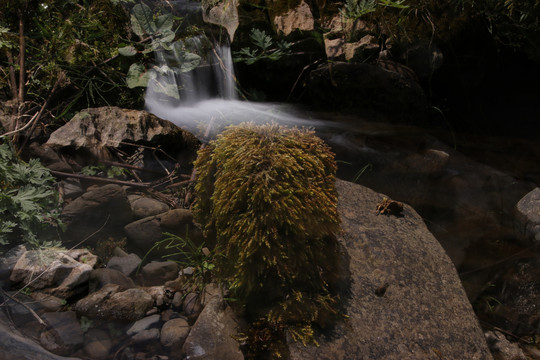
{"points": [[401, 278]]}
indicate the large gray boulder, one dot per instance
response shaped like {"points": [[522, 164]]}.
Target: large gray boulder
{"points": [[527, 217], [405, 299]]}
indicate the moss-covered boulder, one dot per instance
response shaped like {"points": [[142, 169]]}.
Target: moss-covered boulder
{"points": [[267, 194]]}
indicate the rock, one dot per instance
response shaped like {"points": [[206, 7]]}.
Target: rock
{"points": [[97, 344], [144, 233], [71, 188], [159, 272], [211, 337], [158, 293], [63, 334], [502, 349], [146, 336], [52, 271], [518, 310], [405, 299], [142, 206], [125, 264], [192, 306], [93, 131], [527, 218], [299, 18], [8, 261], [14, 346], [49, 302], [424, 57], [174, 332], [103, 205], [339, 49], [177, 300], [103, 276], [144, 324], [111, 303], [367, 90], [49, 158]]}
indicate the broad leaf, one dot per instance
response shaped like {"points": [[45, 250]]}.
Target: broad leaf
{"points": [[189, 62], [137, 76], [141, 20], [164, 23], [127, 51]]}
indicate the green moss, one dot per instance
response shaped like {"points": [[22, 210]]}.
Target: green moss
{"points": [[268, 194]]}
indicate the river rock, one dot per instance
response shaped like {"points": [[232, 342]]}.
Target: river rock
{"points": [[145, 323], [527, 217], [97, 344], [143, 206], [125, 264], [63, 334], [93, 131], [8, 261], [501, 348], [159, 272], [103, 276], [174, 332], [144, 233], [101, 206], [192, 306], [405, 299], [111, 303], [51, 270], [49, 158], [211, 337], [49, 302], [14, 346]]}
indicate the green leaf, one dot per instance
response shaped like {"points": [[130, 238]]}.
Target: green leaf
{"points": [[164, 23], [189, 62], [141, 20], [127, 51], [260, 39], [137, 76]]}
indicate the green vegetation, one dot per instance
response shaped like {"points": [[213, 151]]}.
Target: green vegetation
{"points": [[265, 48], [28, 202], [267, 194]]}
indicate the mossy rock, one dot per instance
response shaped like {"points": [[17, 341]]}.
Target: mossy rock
{"points": [[268, 195]]}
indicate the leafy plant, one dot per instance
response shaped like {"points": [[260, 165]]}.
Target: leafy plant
{"points": [[109, 171], [267, 194], [28, 201], [157, 35], [265, 48]]}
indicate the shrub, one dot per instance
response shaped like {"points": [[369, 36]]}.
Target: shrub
{"points": [[28, 202], [267, 194]]}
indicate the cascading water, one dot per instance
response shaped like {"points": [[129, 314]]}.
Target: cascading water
{"points": [[207, 93]]}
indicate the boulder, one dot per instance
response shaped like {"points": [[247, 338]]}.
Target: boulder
{"points": [[97, 344], [14, 346], [93, 131], [211, 337], [63, 334], [367, 90], [103, 276], [174, 332], [8, 261], [52, 271], [405, 299], [298, 18], [144, 233], [125, 264], [112, 304], [527, 217], [101, 206], [159, 272], [142, 206], [145, 323]]}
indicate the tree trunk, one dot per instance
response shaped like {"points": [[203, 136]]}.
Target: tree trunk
{"points": [[22, 46], [12, 78]]}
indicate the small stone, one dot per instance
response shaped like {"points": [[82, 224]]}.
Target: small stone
{"points": [[174, 332], [177, 300], [159, 272], [97, 344], [125, 264], [501, 348], [144, 324], [63, 334], [187, 271], [103, 276], [146, 335], [192, 305]]}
